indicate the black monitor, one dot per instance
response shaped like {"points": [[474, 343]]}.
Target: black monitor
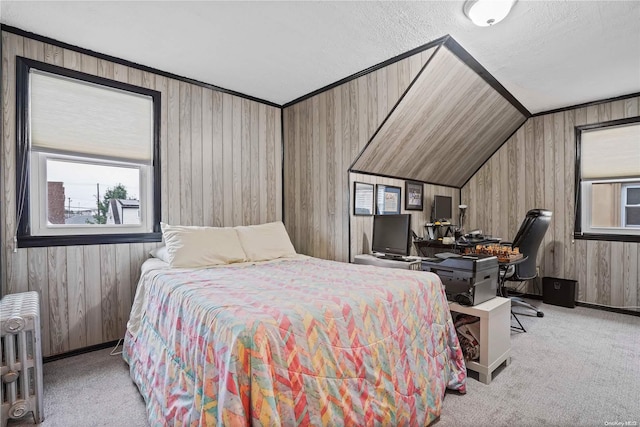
{"points": [[391, 235], [442, 208]]}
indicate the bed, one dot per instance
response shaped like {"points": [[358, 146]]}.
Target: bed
{"points": [[291, 341]]}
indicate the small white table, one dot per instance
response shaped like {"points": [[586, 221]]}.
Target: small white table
{"points": [[495, 335]]}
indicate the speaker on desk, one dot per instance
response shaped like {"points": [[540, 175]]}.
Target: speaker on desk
{"points": [[560, 292]]}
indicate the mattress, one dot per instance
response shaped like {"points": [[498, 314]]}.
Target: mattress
{"points": [[298, 341]]}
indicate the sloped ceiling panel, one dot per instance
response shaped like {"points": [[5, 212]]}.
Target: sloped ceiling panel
{"points": [[449, 122]]}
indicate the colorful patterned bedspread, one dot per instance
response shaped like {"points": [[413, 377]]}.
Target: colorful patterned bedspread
{"points": [[295, 342]]}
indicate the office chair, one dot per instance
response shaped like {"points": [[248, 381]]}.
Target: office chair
{"points": [[528, 240]]}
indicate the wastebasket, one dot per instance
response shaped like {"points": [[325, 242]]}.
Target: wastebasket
{"points": [[560, 292]]}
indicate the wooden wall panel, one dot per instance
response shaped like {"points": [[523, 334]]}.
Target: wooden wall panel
{"points": [[449, 109], [362, 226], [322, 137], [540, 158], [77, 304], [38, 274], [221, 166]]}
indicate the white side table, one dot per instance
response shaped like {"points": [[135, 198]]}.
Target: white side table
{"points": [[495, 334]]}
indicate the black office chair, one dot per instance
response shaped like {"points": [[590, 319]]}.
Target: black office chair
{"points": [[528, 240]]}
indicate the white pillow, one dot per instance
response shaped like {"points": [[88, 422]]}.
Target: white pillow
{"points": [[266, 241], [161, 253], [190, 246]]}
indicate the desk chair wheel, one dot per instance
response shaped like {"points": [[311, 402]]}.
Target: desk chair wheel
{"points": [[540, 314]]}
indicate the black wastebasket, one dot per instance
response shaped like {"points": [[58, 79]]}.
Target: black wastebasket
{"points": [[560, 292]]}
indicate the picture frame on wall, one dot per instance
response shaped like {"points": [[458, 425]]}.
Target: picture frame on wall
{"points": [[362, 198], [388, 198], [413, 196]]}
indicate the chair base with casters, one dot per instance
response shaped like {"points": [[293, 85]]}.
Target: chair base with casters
{"points": [[517, 302]]}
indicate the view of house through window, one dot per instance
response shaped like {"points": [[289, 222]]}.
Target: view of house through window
{"points": [[92, 194], [609, 178]]}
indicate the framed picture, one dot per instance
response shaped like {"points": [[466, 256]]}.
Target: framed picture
{"points": [[413, 196], [362, 198], [387, 199]]}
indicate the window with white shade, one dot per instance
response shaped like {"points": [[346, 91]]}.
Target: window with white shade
{"points": [[608, 180], [87, 158]]}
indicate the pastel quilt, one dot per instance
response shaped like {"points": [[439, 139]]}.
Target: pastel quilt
{"points": [[296, 342]]}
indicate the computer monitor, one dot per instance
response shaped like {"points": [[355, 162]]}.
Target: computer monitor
{"points": [[391, 235], [442, 208]]}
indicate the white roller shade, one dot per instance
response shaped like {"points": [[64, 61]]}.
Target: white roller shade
{"points": [[79, 117], [611, 152]]}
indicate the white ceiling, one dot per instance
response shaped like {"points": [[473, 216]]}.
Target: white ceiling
{"points": [[548, 54]]}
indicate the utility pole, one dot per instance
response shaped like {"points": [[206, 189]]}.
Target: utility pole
{"points": [[98, 198], [69, 210]]}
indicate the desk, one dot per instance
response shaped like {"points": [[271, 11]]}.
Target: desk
{"points": [[495, 336], [428, 248]]}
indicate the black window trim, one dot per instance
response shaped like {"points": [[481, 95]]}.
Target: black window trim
{"points": [[23, 232], [577, 230]]}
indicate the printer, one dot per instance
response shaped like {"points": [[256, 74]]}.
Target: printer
{"points": [[467, 279]]}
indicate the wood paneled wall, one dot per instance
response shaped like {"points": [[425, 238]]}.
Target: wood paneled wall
{"points": [[221, 166], [536, 169], [362, 226], [322, 137]]}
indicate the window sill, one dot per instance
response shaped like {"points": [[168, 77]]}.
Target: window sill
{"points": [[87, 239], [608, 237]]}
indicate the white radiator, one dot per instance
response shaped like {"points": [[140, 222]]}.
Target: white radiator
{"points": [[21, 367]]}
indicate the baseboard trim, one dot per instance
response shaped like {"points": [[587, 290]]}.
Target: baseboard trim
{"points": [[607, 308], [80, 351], [589, 305]]}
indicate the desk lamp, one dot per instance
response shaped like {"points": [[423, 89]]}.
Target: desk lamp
{"points": [[463, 211]]}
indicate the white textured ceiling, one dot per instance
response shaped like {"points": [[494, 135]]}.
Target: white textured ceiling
{"points": [[548, 54]]}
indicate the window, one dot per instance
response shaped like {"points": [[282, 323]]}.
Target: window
{"points": [[608, 180], [631, 205], [88, 156]]}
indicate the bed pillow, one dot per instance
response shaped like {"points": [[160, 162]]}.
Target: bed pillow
{"points": [[161, 253], [190, 246], [265, 241]]}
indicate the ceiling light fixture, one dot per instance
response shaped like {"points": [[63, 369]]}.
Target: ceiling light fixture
{"points": [[484, 13]]}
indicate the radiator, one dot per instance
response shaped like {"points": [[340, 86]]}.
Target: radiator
{"points": [[21, 367]]}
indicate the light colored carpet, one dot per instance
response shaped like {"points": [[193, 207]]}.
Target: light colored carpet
{"points": [[578, 367], [90, 390], [574, 367]]}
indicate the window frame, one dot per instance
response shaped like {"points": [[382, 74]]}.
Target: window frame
{"points": [[598, 233], [625, 205], [38, 220], [23, 163]]}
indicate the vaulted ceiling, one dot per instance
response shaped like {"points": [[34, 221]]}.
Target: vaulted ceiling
{"points": [[447, 124], [547, 54]]}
